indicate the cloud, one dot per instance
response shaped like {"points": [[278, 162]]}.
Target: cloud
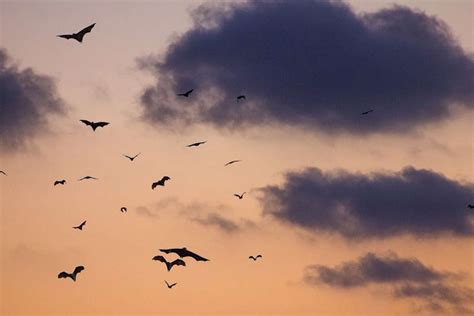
{"points": [[413, 201], [408, 278], [312, 64], [216, 220], [27, 99]]}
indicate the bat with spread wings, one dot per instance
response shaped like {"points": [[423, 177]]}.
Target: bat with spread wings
{"points": [[73, 275], [94, 125], [232, 162], [160, 182], [186, 94], [170, 286], [183, 252], [169, 265], [131, 158], [196, 144], [256, 257], [79, 35], [62, 182], [80, 226], [240, 196]]}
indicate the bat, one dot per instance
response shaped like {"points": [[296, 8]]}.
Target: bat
{"points": [[3, 172], [79, 35], [255, 258], [64, 275], [94, 125], [231, 162], [80, 226], [196, 144], [62, 182], [470, 206], [186, 94], [241, 97], [160, 182], [169, 265], [123, 209], [170, 286], [87, 178], [131, 158], [366, 112], [240, 196], [183, 252]]}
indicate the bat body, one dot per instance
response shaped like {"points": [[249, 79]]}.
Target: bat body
{"points": [[232, 162], [94, 125], [170, 285], [73, 275], [160, 182], [241, 97], [169, 265], [196, 144], [183, 252], [80, 226], [470, 206], [79, 35], [3, 172], [88, 178], [131, 158], [367, 112], [255, 258], [62, 182], [240, 196], [186, 94], [123, 209]]}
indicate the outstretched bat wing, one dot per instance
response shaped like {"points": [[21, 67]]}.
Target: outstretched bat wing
{"points": [[86, 29], [78, 269], [88, 123], [101, 124], [195, 256], [178, 262], [63, 275], [159, 258], [66, 36]]}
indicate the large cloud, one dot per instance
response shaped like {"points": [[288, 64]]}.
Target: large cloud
{"points": [[413, 201], [314, 64], [407, 278], [26, 101]]}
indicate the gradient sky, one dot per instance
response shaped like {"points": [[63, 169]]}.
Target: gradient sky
{"points": [[100, 79]]}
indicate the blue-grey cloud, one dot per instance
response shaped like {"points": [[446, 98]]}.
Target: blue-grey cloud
{"points": [[354, 205], [26, 101], [313, 64]]}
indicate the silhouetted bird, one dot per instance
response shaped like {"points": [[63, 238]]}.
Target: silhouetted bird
{"points": [[366, 112], [62, 182], [3, 172], [71, 275], [131, 158], [80, 226], [186, 94], [240, 196], [183, 252], [87, 178], [94, 125], [169, 265], [231, 162], [241, 97], [123, 209], [79, 35], [170, 286], [470, 206], [196, 144], [161, 182], [255, 258]]}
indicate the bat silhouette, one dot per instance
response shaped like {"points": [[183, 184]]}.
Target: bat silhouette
{"points": [[80, 226], [62, 182], [71, 275], [186, 94], [256, 257], [1, 171], [366, 112], [241, 97], [196, 144], [79, 35], [87, 178], [231, 162], [131, 158], [160, 182], [170, 285], [470, 206], [240, 196], [94, 125], [183, 252], [169, 265], [123, 209]]}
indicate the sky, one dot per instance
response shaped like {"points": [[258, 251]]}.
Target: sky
{"points": [[353, 214]]}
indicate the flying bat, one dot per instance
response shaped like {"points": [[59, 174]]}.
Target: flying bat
{"points": [[87, 178], [79, 35], [231, 162], [71, 275], [255, 258], [240, 196], [161, 182], [470, 206], [366, 112], [62, 182], [80, 226], [169, 265], [1, 171], [170, 285], [123, 209], [94, 125], [183, 252], [131, 158], [196, 144], [186, 94], [241, 97]]}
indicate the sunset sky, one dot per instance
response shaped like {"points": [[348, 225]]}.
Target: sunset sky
{"points": [[353, 214]]}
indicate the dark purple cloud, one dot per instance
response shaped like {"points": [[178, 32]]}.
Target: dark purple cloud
{"points": [[313, 64]]}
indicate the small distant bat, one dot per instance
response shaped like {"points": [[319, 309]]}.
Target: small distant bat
{"points": [[183, 252], [470, 206], [255, 258], [3, 172], [87, 178], [366, 112], [62, 182], [170, 285], [160, 182], [131, 158], [80, 226], [232, 162], [79, 35], [169, 265], [196, 144], [71, 275], [240, 196], [241, 97], [94, 125], [123, 209], [186, 94]]}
